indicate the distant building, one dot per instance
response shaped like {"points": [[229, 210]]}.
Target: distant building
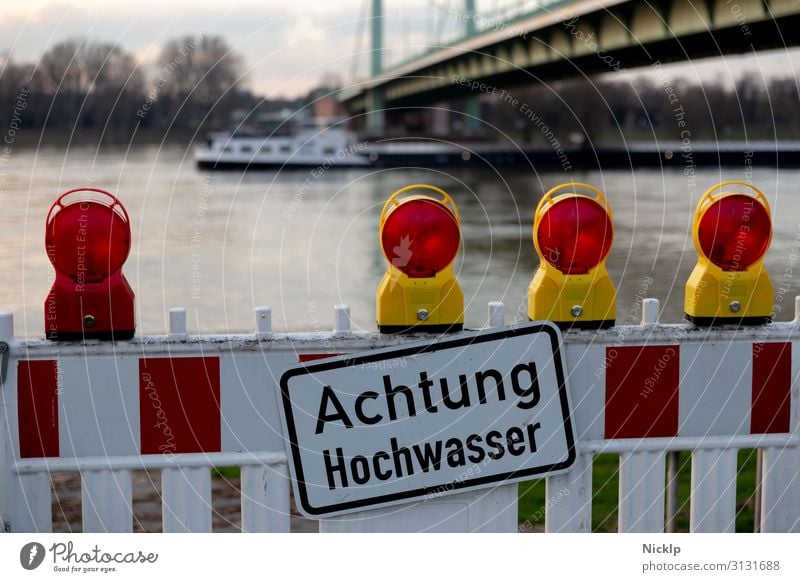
{"points": [[325, 104]]}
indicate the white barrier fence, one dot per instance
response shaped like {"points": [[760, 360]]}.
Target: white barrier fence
{"points": [[184, 404], [186, 488]]}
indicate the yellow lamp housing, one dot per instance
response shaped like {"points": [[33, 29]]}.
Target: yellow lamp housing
{"points": [[729, 285], [420, 236], [573, 234]]}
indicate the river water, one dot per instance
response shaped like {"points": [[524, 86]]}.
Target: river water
{"points": [[221, 243]]}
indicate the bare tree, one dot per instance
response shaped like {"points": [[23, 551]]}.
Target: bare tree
{"points": [[197, 78], [90, 84]]}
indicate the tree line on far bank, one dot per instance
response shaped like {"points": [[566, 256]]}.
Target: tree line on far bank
{"points": [[605, 109], [195, 82]]}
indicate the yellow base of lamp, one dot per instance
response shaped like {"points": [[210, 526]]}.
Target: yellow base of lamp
{"points": [[717, 297], [572, 301], [429, 304]]}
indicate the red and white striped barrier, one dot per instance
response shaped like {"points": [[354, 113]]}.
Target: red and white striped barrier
{"points": [[184, 403], [643, 390]]}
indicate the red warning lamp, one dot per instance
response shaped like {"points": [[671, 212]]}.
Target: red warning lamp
{"points": [[732, 231], [88, 238], [573, 234], [420, 236]]}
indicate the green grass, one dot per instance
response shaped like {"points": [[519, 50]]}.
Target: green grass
{"points": [[605, 487], [225, 472]]}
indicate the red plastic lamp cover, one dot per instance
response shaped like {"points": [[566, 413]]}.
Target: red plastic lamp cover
{"points": [[420, 237], [734, 232], [575, 235]]}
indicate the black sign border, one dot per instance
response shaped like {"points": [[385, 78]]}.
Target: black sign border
{"points": [[357, 359]]}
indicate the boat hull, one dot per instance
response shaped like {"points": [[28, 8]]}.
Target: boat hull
{"points": [[270, 165]]}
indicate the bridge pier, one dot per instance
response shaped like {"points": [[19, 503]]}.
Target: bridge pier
{"points": [[376, 116], [472, 115], [440, 120]]}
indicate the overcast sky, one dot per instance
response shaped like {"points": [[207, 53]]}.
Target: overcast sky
{"points": [[287, 45]]}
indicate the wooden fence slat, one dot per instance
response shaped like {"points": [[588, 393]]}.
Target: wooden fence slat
{"points": [[31, 508], [106, 504], [641, 491], [186, 503], [713, 496], [568, 503], [265, 498], [780, 490]]}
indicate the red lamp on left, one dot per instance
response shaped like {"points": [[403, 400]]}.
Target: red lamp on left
{"points": [[88, 239]]}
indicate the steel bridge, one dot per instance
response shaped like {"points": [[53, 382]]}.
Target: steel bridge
{"points": [[546, 40]]}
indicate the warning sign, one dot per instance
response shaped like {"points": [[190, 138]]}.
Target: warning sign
{"points": [[429, 418]]}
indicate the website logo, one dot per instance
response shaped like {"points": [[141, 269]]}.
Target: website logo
{"points": [[31, 555]]}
